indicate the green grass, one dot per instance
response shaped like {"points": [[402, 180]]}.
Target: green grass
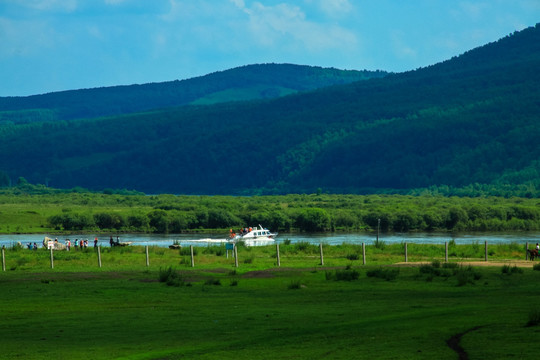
{"points": [[292, 313]]}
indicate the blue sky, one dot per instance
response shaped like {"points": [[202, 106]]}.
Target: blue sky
{"points": [[53, 45]]}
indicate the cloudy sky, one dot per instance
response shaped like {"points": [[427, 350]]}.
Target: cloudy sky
{"points": [[52, 45]]}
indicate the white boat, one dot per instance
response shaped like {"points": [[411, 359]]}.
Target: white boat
{"points": [[249, 237], [254, 236]]}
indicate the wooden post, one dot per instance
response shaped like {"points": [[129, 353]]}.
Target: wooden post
{"points": [[192, 259], [485, 251], [322, 258], [148, 258], [235, 255], [3, 258], [52, 259], [406, 254], [527, 250], [99, 255], [446, 251], [277, 254], [364, 253]]}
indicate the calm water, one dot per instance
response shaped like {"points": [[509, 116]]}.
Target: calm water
{"points": [[329, 239]]}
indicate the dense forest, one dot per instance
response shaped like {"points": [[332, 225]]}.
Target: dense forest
{"points": [[468, 123]]}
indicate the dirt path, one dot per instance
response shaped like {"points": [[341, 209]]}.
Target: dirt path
{"points": [[453, 343]]}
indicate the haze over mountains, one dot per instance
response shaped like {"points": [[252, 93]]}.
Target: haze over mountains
{"points": [[473, 119]]}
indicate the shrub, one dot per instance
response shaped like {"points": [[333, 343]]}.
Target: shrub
{"points": [[450, 265], [287, 242], [534, 317], [170, 277], [536, 267], [302, 246], [186, 251], [215, 282], [506, 269], [294, 285], [329, 275], [466, 275], [379, 244], [234, 282], [346, 275], [386, 274], [353, 257]]}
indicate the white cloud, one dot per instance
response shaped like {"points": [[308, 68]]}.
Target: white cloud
{"points": [[48, 5], [336, 7], [114, 2], [473, 10], [24, 37], [288, 27]]}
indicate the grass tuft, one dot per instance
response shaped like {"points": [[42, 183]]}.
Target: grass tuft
{"points": [[170, 277], [534, 318]]}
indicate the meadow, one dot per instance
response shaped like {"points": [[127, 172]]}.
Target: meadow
{"points": [[301, 310]]}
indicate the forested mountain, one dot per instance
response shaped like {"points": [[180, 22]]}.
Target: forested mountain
{"points": [[473, 119], [263, 81]]}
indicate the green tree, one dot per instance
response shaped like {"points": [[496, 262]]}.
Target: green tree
{"points": [[313, 220]]}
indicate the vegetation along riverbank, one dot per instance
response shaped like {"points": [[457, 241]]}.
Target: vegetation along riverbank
{"points": [[24, 212]]}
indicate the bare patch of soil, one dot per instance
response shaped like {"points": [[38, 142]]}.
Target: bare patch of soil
{"points": [[495, 263]]}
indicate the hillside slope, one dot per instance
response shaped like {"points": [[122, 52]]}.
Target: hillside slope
{"points": [[263, 81], [471, 119]]}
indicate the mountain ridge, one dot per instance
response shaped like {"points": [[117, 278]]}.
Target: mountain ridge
{"points": [[469, 120], [257, 81]]}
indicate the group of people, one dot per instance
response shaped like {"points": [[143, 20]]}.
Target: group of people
{"points": [[82, 243], [31, 246], [114, 243], [77, 243], [242, 231]]}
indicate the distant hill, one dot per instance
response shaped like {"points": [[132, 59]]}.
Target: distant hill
{"points": [[471, 121], [251, 82]]}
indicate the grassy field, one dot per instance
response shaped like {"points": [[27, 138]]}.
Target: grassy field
{"points": [[301, 310]]}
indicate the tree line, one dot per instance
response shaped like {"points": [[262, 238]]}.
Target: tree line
{"points": [[309, 213]]}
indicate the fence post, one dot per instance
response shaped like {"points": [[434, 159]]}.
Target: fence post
{"points": [[192, 259], [52, 259], [148, 258], [99, 255], [322, 258], [406, 254], [527, 250], [364, 253], [277, 254], [486, 251], [235, 256], [3, 258], [446, 251]]}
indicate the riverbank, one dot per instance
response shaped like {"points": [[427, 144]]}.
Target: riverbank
{"points": [[335, 238]]}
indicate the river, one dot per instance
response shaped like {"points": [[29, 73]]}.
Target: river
{"points": [[164, 240]]}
